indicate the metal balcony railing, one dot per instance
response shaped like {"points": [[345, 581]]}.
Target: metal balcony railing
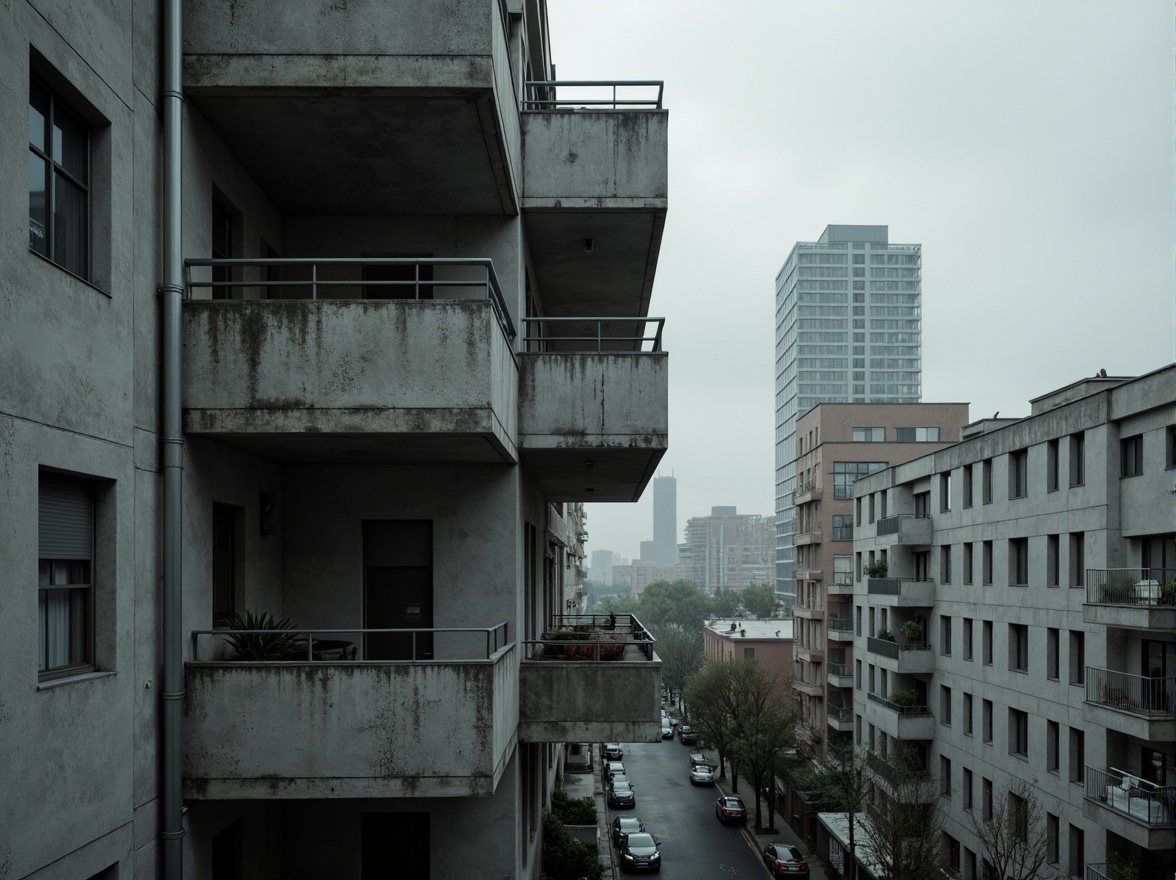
{"points": [[591, 637], [541, 333], [839, 624], [837, 669], [841, 713], [634, 94], [305, 278], [1126, 792], [895, 770], [333, 645], [1137, 694], [884, 586], [1131, 586], [901, 710], [891, 525], [1097, 872]]}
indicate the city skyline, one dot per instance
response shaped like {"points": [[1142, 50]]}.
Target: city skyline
{"points": [[1013, 141]]}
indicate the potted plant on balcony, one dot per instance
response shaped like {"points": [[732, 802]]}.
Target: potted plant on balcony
{"points": [[1116, 590], [904, 698], [876, 569], [596, 643], [886, 635], [912, 631], [276, 643]]}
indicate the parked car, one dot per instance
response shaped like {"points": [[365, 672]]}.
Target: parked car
{"points": [[640, 852], [673, 721], [702, 774], [620, 794], [611, 769], [731, 811], [667, 731], [613, 752], [784, 860], [688, 735], [622, 825], [698, 758]]}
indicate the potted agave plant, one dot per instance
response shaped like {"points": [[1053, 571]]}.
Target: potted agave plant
{"points": [[276, 642]]}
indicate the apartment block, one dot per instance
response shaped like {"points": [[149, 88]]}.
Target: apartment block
{"points": [[836, 444], [314, 319], [848, 330], [727, 550], [1022, 627]]}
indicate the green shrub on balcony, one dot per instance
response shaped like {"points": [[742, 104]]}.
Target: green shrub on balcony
{"points": [[912, 631], [905, 698], [876, 569], [1117, 590], [886, 635], [277, 643]]}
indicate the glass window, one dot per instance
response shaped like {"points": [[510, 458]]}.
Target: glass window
{"points": [[59, 181], [1077, 459], [65, 596], [1018, 647], [917, 435], [842, 527], [1019, 473], [846, 473], [869, 435], [1131, 456]]}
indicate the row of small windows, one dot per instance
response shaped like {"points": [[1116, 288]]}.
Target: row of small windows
{"points": [[901, 435]]}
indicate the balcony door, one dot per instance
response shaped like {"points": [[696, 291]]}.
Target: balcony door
{"points": [[398, 588]]}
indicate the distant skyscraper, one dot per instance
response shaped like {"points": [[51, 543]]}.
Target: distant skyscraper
{"points": [[728, 550], [848, 330], [665, 520], [601, 569]]}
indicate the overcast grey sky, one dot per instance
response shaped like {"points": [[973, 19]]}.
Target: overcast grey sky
{"points": [[1028, 146]]}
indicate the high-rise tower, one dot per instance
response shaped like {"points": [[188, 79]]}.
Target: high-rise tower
{"points": [[665, 520], [848, 330]]}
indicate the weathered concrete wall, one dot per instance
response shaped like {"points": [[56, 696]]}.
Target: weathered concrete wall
{"points": [[346, 366], [595, 159], [264, 730], [590, 400], [589, 702]]}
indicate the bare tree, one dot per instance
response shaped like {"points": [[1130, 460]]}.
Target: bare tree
{"points": [[765, 730], [905, 820], [1013, 835]]}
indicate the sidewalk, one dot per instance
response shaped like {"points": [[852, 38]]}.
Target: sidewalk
{"points": [[818, 870], [581, 785]]}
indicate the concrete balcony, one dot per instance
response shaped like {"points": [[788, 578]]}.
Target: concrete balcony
{"points": [[812, 688], [809, 574], [840, 629], [905, 530], [901, 592], [325, 380], [1135, 705], [1131, 807], [914, 659], [839, 675], [900, 721], [595, 182], [808, 735], [605, 687], [806, 492], [840, 718], [809, 612], [352, 729], [1131, 598], [292, 86], [812, 536], [811, 653], [593, 425], [841, 585]]}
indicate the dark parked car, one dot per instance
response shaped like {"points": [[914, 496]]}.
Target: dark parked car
{"points": [[731, 810], [639, 852], [611, 769], [702, 774], [784, 860], [613, 752], [620, 794], [688, 735], [622, 825]]}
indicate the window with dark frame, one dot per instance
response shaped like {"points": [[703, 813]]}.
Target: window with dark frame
{"points": [[1018, 647], [1077, 459], [1019, 473], [986, 481], [59, 181], [1019, 733], [1051, 466], [1131, 456], [65, 596], [1018, 562], [966, 482], [226, 559]]}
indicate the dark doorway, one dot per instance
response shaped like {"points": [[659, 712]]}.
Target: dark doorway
{"points": [[228, 853], [394, 845], [398, 588], [398, 280]]}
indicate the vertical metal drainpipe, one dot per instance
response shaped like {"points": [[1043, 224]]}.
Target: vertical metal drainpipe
{"points": [[172, 448]]}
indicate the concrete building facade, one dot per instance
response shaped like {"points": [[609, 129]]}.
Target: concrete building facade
{"points": [[848, 330], [836, 444], [297, 330], [727, 550], [1024, 628]]}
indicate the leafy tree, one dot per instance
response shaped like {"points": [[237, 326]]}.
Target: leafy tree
{"points": [[759, 599], [724, 603], [1014, 837], [710, 695], [765, 732], [673, 602], [681, 654]]}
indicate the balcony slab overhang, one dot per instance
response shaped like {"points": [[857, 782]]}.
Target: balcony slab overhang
{"points": [[1153, 728], [593, 426], [1138, 831], [595, 175], [413, 102], [1144, 617], [348, 730], [590, 701], [812, 688], [330, 380]]}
